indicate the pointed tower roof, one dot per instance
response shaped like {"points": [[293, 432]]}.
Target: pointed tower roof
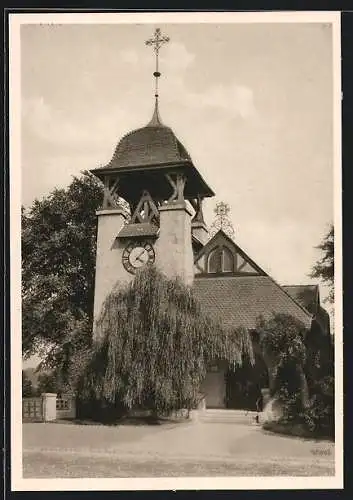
{"points": [[153, 144], [156, 118]]}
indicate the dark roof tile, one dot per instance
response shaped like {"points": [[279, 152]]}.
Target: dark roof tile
{"points": [[138, 229], [306, 295], [240, 300], [150, 145]]}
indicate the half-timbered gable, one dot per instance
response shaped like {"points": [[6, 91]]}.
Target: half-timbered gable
{"points": [[221, 256], [230, 285]]}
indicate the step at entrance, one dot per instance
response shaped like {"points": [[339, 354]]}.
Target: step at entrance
{"points": [[227, 416]]}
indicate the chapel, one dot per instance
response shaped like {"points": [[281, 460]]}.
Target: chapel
{"points": [[152, 213]]}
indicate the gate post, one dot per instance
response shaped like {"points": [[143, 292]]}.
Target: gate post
{"points": [[49, 406], [266, 396]]}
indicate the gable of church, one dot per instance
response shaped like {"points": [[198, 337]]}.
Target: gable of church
{"points": [[231, 286], [221, 256]]}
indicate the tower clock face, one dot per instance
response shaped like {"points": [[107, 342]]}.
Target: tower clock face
{"points": [[137, 255]]}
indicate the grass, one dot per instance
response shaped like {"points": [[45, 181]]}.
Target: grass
{"points": [[58, 465], [296, 430], [134, 421]]}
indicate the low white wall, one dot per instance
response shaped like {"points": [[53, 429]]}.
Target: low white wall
{"points": [[65, 407]]}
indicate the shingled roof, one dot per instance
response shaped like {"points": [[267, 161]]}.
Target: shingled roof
{"points": [[153, 144], [306, 295], [146, 152], [240, 300], [150, 145]]}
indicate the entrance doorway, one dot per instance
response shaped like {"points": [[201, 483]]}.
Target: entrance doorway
{"points": [[244, 384], [214, 388]]}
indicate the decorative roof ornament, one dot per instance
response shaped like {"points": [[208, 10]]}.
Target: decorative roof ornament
{"points": [[222, 221], [156, 42]]}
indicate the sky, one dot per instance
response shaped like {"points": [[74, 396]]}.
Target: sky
{"points": [[252, 104]]}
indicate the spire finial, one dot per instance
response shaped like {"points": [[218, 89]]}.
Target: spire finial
{"points": [[156, 42]]}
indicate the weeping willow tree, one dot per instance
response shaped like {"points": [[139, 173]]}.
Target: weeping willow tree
{"points": [[155, 344]]}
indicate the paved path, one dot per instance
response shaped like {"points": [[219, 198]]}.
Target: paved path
{"points": [[181, 449]]}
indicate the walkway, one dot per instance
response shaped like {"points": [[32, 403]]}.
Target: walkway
{"points": [[57, 450]]}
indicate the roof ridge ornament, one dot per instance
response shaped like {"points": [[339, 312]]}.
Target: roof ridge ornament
{"points": [[156, 42], [222, 221]]}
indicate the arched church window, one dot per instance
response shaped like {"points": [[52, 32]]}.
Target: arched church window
{"points": [[220, 260], [215, 261], [228, 260]]}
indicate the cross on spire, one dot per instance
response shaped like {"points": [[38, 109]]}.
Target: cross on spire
{"points": [[156, 42]]}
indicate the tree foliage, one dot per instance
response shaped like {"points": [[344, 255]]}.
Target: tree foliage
{"points": [[324, 268], [319, 417], [282, 341], [27, 386], [58, 262], [47, 382], [154, 345], [282, 337]]}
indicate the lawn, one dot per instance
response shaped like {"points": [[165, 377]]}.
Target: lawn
{"points": [[64, 465]]}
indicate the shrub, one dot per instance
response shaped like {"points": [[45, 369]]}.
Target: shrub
{"points": [[317, 418], [27, 387], [291, 404], [319, 415]]}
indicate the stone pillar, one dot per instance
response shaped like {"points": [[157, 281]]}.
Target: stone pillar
{"points": [[109, 268], [202, 404], [199, 230], [174, 256], [49, 406], [266, 396]]}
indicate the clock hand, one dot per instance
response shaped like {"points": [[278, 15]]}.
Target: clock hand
{"points": [[139, 255]]}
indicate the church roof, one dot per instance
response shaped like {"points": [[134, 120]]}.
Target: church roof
{"points": [[153, 144], [240, 300], [149, 145], [306, 295], [148, 150]]}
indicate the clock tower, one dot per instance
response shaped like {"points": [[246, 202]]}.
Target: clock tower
{"points": [[154, 174]]}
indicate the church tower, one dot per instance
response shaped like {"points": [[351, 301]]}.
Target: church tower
{"points": [[152, 171]]}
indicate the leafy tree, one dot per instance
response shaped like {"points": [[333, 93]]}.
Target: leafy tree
{"points": [[58, 262], [154, 345], [282, 342], [47, 382], [27, 387], [324, 268]]}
